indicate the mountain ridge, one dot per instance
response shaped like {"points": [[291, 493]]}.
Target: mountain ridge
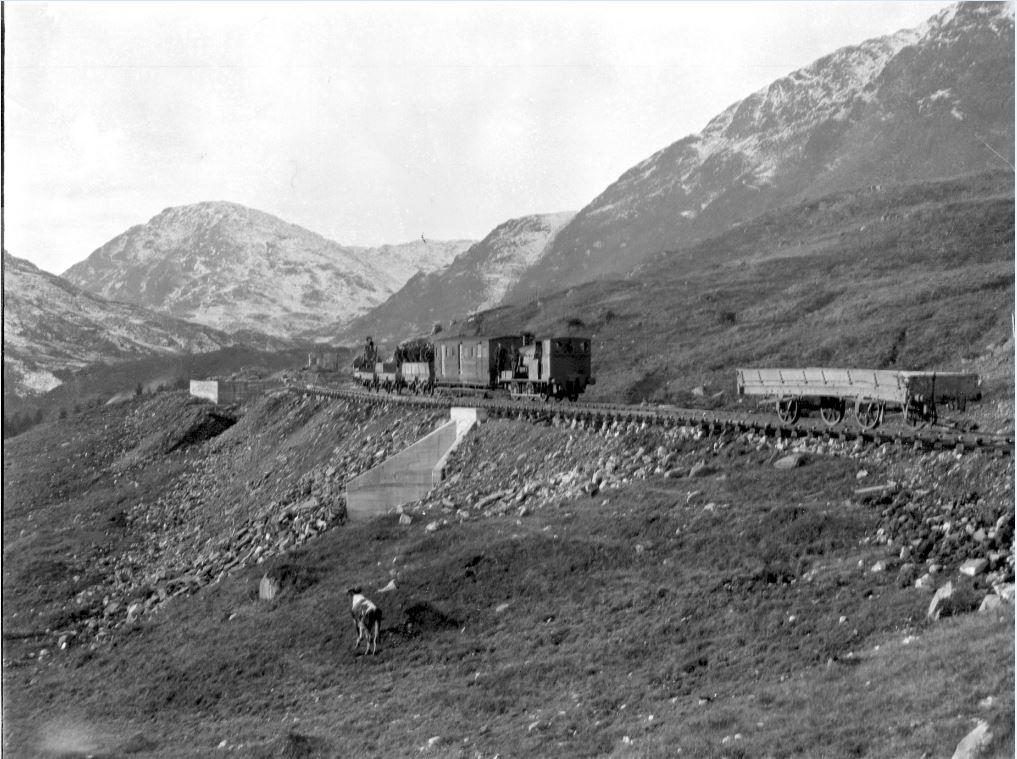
{"points": [[225, 265], [51, 325], [475, 280], [917, 104]]}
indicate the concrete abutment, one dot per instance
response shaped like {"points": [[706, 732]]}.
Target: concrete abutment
{"points": [[409, 475]]}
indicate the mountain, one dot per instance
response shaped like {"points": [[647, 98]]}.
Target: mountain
{"points": [[51, 325], [476, 280], [927, 103], [233, 268], [910, 276]]}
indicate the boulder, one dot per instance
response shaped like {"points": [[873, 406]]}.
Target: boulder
{"points": [[1004, 590], [405, 519], [701, 470], [907, 575], [954, 598], [973, 567], [973, 744], [791, 461], [268, 588], [940, 600], [990, 603]]}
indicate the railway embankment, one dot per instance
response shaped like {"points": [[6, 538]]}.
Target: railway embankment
{"points": [[936, 509]]}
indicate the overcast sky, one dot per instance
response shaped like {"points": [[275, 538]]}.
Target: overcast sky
{"points": [[375, 122]]}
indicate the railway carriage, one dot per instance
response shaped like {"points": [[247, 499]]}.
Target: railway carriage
{"points": [[473, 362]]}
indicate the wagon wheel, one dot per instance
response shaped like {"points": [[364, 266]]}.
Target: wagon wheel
{"points": [[832, 413], [868, 413], [788, 410]]}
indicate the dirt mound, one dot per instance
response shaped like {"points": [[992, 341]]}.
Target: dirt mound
{"points": [[422, 616], [166, 423]]}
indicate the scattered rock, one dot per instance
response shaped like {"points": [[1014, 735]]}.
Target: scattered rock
{"points": [[405, 519]]}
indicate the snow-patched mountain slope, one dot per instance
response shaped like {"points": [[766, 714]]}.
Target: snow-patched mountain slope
{"points": [[233, 268], [476, 280], [51, 325], [932, 102]]}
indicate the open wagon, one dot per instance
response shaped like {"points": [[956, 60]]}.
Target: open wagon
{"points": [[869, 392]]}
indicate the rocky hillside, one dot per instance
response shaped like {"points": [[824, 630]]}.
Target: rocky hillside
{"points": [[234, 268], [51, 326], [569, 588], [476, 280], [926, 103]]}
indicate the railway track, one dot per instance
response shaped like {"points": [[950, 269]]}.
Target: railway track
{"points": [[715, 422]]}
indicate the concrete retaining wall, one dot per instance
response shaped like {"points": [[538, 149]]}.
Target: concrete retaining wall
{"points": [[407, 476]]}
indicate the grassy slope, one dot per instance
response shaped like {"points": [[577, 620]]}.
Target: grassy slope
{"points": [[914, 277], [102, 381], [631, 604]]}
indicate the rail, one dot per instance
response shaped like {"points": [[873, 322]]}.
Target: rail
{"points": [[713, 422]]}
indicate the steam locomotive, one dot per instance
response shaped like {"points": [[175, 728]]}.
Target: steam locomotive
{"points": [[522, 365]]}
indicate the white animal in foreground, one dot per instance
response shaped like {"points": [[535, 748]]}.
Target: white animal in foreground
{"points": [[366, 618]]}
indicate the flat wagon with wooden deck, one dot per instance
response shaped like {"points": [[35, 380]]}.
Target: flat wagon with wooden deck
{"points": [[870, 393]]}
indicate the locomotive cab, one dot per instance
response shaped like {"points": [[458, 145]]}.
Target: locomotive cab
{"points": [[558, 367]]}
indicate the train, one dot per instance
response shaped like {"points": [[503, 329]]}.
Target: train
{"points": [[524, 366]]}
